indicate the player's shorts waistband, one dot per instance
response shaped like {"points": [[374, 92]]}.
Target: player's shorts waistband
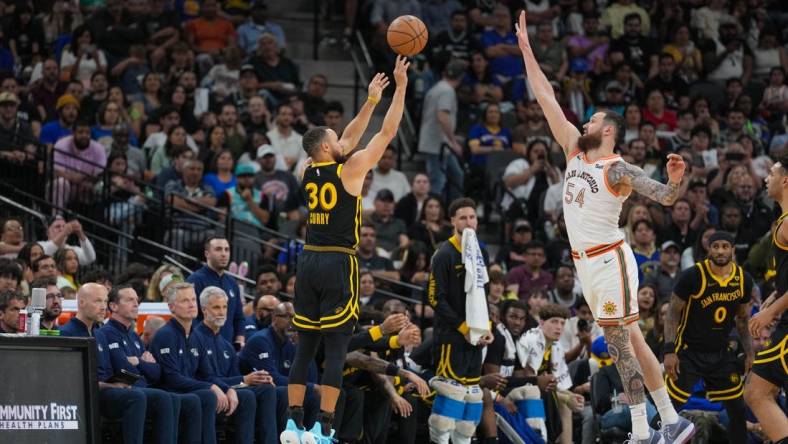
{"points": [[330, 249], [597, 250]]}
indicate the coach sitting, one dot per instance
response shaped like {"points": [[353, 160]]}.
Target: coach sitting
{"points": [[256, 404]]}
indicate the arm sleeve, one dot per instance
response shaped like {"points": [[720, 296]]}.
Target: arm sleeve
{"points": [[688, 284], [165, 350], [437, 292]]}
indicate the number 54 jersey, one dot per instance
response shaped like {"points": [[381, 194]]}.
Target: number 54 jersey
{"points": [[591, 205]]}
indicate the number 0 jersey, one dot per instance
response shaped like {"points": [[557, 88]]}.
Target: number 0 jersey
{"points": [[712, 303], [334, 214], [591, 206]]}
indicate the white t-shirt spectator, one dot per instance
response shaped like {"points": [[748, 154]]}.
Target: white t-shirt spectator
{"points": [[534, 341], [85, 251], [395, 181], [288, 146], [87, 66], [523, 191], [440, 97]]}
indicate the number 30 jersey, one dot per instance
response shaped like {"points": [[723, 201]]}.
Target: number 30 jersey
{"points": [[334, 214], [591, 206]]}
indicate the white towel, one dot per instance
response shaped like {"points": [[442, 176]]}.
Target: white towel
{"points": [[476, 316]]}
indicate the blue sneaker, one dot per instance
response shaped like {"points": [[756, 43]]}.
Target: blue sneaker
{"points": [[316, 436], [679, 433], [292, 434]]}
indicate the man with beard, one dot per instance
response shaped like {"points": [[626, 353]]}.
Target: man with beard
{"points": [[279, 187], [54, 304], [244, 201], [327, 311], [639, 52], [257, 401], [79, 164], [261, 318], [707, 300], [454, 43], [768, 374], [217, 258], [67, 109], [595, 187], [46, 93]]}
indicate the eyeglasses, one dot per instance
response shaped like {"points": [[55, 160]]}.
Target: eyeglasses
{"points": [[54, 295]]}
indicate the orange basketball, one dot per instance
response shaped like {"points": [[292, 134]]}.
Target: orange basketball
{"points": [[407, 35]]}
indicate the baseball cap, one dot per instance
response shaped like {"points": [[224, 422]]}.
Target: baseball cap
{"points": [[522, 226], [669, 244], [455, 69], [244, 169], [385, 195], [614, 85], [248, 68], [265, 150], [66, 99], [7, 97]]}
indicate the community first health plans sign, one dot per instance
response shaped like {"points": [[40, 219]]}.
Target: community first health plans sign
{"points": [[50, 416]]}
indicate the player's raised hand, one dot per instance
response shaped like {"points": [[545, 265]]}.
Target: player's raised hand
{"points": [[401, 71], [377, 85], [522, 33], [675, 168]]}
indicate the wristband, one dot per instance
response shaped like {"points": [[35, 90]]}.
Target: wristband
{"points": [[373, 100], [669, 347], [392, 370]]}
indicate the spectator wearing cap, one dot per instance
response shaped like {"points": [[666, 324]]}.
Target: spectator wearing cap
{"points": [[284, 139], [256, 25], [45, 95], [387, 177], [436, 135], [391, 232], [17, 143], [244, 201], [67, 112], [668, 81], [529, 276], [665, 276], [79, 162], [277, 74], [592, 43], [278, 186], [512, 253], [58, 232], [679, 229], [613, 99], [632, 47]]}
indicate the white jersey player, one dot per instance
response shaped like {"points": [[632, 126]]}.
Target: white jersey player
{"points": [[597, 184]]}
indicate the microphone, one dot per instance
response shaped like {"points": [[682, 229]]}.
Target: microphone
{"points": [[38, 300]]}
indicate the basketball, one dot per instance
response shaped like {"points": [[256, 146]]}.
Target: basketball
{"points": [[407, 35]]}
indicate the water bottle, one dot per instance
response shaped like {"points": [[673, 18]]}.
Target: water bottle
{"points": [[23, 320], [614, 400]]}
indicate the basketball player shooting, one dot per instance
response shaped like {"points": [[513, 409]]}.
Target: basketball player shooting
{"points": [[326, 294], [597, 182]]}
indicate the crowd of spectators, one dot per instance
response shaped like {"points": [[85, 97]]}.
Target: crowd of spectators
{"points": [[200, 105]]}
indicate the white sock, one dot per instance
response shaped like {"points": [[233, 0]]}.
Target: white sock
{"points": [[640, 428], [666, 411]]}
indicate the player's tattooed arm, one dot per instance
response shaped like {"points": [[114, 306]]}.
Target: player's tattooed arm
{"points": [[675, 309], [623, 172], [620, 350], [742, 322]]}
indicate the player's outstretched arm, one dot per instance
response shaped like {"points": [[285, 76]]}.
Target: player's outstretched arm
{"points": [[360, 163], [355, 129], [563, 131], [666, 194]]}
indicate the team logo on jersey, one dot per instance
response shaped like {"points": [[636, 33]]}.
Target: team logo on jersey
{"points": [[609, 308], [735, 378]]}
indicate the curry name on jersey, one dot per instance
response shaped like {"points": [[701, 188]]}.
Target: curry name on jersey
{"points": [[711, 306], [334, 214]]}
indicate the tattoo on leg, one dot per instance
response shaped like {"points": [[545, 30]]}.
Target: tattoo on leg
{"points": [[627, 364]]}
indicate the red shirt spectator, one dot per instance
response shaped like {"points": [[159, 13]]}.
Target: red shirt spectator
{"points": [[210, 33]]}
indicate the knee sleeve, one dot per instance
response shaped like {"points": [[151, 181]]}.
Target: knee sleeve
{"points": [[335, 353]]}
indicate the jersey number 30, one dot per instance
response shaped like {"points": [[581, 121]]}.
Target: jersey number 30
{"points": [[326, 196], [570, 195]]}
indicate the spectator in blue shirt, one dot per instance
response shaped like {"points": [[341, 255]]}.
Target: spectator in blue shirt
{"points": [[257, 25], [257, 402], [500, 47], [272, 349], [91, 310], [488, 136], [217, 256], [126, 352], [177, 351], [67, 112], [116, 401], [264, 305]]}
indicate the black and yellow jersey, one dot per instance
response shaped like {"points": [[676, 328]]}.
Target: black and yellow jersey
{"points": [[780, 264], [334, 214], [712, 303]]}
